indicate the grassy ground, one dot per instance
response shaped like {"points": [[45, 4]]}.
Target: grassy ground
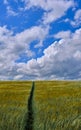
{"points": [[13, 104], [56, 104]]}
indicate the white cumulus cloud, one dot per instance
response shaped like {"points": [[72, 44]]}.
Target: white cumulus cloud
{"points": [[12, 46], [60, 61]]}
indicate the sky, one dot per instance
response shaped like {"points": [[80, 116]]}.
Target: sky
{"points": [[40, 39]]}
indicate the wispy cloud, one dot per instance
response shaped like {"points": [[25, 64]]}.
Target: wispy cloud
{"points": [[11, 12], [5, 2], [77, 18], [54, 9]]}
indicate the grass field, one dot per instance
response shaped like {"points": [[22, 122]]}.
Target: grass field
{"points": [[56, 105], [13, 104]]}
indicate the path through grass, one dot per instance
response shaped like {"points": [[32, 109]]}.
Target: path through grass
{"points": [[57, 105], [30, 114]]}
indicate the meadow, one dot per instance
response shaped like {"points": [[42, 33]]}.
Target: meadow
{"points": [[56, 105]]}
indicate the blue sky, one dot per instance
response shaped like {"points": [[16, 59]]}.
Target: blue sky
{"points": [[40, 39]]}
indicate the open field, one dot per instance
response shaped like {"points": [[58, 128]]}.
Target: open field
{"points": [[13, 104], [56, 105]]}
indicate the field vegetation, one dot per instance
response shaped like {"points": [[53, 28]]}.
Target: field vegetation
{"points": [[56, 105], [13, 104]]}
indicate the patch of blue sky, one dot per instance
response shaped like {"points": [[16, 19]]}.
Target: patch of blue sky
{"points": [[60, 26], [38, 51], [24, 20], [22, 58], [16, 4], [63, 23], [70, 13], [78, 3], [48, 41], [2, 12]]}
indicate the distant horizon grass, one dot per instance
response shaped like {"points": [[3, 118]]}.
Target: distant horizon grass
{"points": [[57, 105]]}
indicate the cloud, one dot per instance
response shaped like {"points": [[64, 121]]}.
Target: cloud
{"points": [[78, 14], [77, 19], [21, 42], [5, 2], [63, 34], [13, 46], [56, 10], [60, 61], [11, 12], [53, 9], [18, 77]]}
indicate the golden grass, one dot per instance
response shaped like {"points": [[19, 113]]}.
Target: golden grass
{"points": [[56, 104], [13, 104]]}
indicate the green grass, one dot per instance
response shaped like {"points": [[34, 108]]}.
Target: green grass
{"points": [[57, 105]]}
